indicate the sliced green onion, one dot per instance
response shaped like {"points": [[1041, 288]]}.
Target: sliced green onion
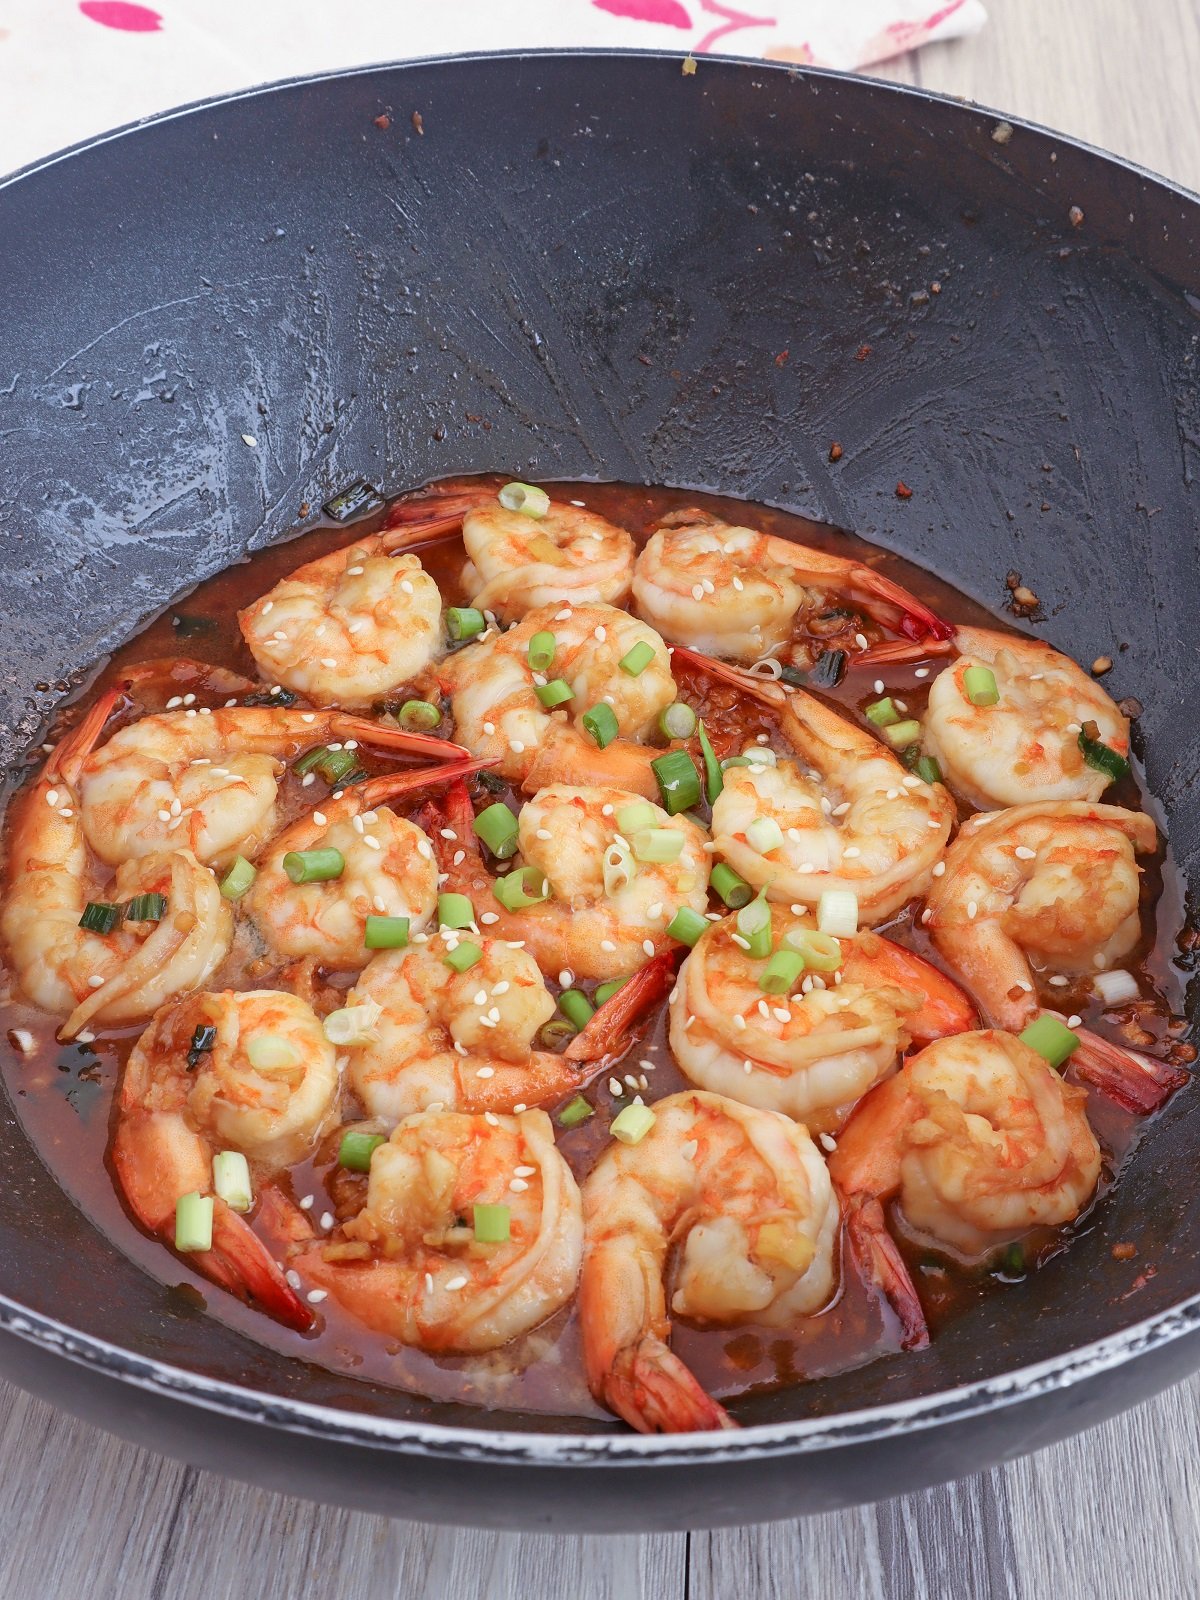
{"points": [[1013, 1259], [737, 761], [267, 1052], [928, 770], [882, 712], [497, 827], [204, 1036], [310, 761], [524, 887], [464, 622], [900, 734], [1052, 1039], [238, 879], [464, 956], [314, 866], [526, 498], [231, 1179], [713, 780], [633, 818], [194, 1222], [1100, 756], [601, 723], [100, 917], [635, 661], [576, 1007], [541, 651], [556, 1033], [730, 886], [386, 933], [764, 834], [677, 721], [618, 868], [678, 782], [759, 755], [686, 925], [454, 911], [821, 951], [979, 684], [492, 1224], [335, 766], [357, 1148], [781, 972], [146, 908], [632, 1124], [353, 1024], [656, 846], [754, 925], [555, 693], [605, 991], [837, 913], [576, 1112], [418, 715]]}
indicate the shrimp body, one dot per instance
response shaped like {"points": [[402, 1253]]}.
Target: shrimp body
{"points": [[744, 1196], [409, 1264], [977, 1139], [1024, 748], [812, 1053], [173, 1116], [498, 715], [348, 627]]}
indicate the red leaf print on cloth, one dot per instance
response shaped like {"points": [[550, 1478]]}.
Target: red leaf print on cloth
{"points": [[123, 16], [668, 12]]}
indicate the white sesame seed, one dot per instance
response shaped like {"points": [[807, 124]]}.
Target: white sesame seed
{"points": [[688, 1150], [516, 746], [860, 640], [307, 1202], [972, 908], [371, 844], [486, 1072], [309, 777], [600, 633], [925, 916], [429, 1283], [747, 1066], [293, 1278], [518, 1185], [1073, 1021], [489, 917], [489, 727], [781, 1014], [851, 851], [564, 615], [607, 946], [23, 1040], [738, 1020], [315, 1296], [460, 1282], [327, 1220], [524, 1172], [697, 591], [164, 816], [492, 1118], [1024, 853], [566, 977], [878, 685], [519, 1107], [921, 672], [606, 811], [95, 982], [840, 811], [738, 584], [932, 822], [615, 1087], [52, 797], [189, 699], [827, 1141]]}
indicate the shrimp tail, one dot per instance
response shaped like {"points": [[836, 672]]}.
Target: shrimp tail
{"points": [[411, 522], [606, 1034], [390, 785], [240, 1261], [881, 1263], [397, 739], [653, 1391], [765, 690], [898, 652], [1135, 1082], [72, 751], [916, 621]]}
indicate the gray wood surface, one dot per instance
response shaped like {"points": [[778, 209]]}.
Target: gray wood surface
{"points": [[1111, 1514]]}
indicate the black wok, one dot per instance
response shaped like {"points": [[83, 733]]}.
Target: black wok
{"points": [[591, 266]]}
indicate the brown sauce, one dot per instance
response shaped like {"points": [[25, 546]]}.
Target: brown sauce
{"points": [[63, 1094]]}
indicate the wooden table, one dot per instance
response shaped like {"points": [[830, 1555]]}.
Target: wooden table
{"points": [[1110, 1514]]}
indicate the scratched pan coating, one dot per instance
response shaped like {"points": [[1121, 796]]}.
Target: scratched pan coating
{"points": [[592, 266]]}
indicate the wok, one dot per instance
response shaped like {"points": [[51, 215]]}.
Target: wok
{"points": [[592, 266]]}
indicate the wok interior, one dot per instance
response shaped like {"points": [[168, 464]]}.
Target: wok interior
{"points": [[700, 281]]}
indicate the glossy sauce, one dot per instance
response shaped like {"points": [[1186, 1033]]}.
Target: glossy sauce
{"points": [[64, 1093]]}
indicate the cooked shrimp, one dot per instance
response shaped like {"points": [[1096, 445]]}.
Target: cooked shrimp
{"points": [[745, 1197], [497, 713], [208, 780], [811, 1053], [180, 1104], [1026, 746], [389, 870], [350, 626], [734, 592], [520, 560], [409, 1264], [851, 816], [122, 975]]}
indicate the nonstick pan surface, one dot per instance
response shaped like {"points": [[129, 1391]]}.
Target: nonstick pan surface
{"points": [[591, 266]]}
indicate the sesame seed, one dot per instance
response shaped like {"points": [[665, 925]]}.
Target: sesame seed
{"points": [[460, 1048], [631, 1080], [840, 811], [747, 1066], [174, 701], [564, 615], [893, 794], [164, 816], [939, 869], [688, 1020], [921, 672], [309, 777], [492, 1118], [607, 946], [827, 1141], [189, 699], [806, 866], [1024, 853], [315, 1296], [489, 727], [520, 1106], [293, 1278], [878, 685], [655, 911], [674, 995], [543, 833], [566, 977], [516, 746], [606, 811], [456, 1283], [697, 591], [52, 797], [524, 1172], [424, 848], [615, 1087], [972, 908], [688, 1150], [486, 1072], [860, 640], [306, 1202], [517, 1185], [600, 634], [95, 982], [489, 917], [925, 916], [738, 1020], [781, 1014], [851, 851], [738, 584], [429, 1283], [932, 822], [327, 1220], [1073, 1021], [24, 1041]]}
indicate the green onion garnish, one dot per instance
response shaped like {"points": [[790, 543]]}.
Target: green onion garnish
{"points": [[353, 1025], [576, 1112], [686, 925], [899, 734], [635, 661], [713, 780], [386, 933], [204, 1036], [781, 972], [314, 866], [601, 723], [633, 818], [730, 886], [656, 846], [1013, 1259], [577, 1008], [464, 956], [882, 712], [556, 1033], [979, 684], [238, 879], [231, 1179], [497, 827], [194, 1222], [1099, 755], [678, 782], [269, 1052], [837, 913], [632, 1124], [605, 991], [1052, 1039], [555, 693], [617, 867], [335, 766], [541, 651], [146, 908], [677, 721], [100, 917], [464, 622], [764, 835], [526, 498], [418, 716], [737, 761], [357, 1148], [524, 887], [754, 925], [492, 1224], [928, 770], [454, 911], [821, 951], [310, 760]]}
